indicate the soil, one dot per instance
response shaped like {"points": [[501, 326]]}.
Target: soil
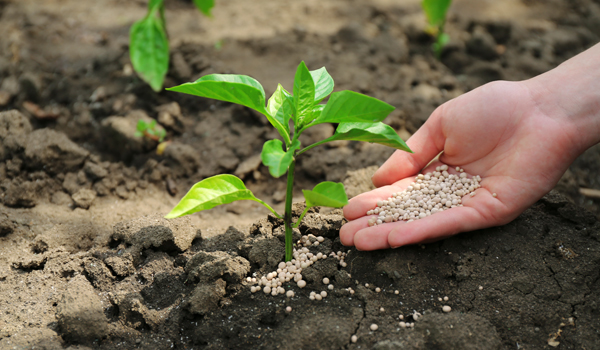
{"points": [[88, 262]]}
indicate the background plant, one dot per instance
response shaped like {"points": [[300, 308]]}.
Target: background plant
{"points": [[359, 117], [150, 130], [149, 43], [435, 11]]}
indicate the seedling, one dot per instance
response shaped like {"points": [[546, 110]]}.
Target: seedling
{"points": [[358, 116], [149, 45], [150, 130], [435, 11]]}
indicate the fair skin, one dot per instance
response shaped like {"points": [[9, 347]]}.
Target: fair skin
{"points": [[520, 137]]}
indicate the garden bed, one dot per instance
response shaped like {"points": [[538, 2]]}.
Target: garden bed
{"points": [[87, 261]]}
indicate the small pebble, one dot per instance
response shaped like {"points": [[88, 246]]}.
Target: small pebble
{"points": [[446, 308]]}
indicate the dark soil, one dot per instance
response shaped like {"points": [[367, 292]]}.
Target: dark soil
{"points": [[88, 262]]}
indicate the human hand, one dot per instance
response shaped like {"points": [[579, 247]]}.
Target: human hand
{"points": [[496, 131]]}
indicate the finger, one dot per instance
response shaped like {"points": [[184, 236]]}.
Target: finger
{"points": [[370, 237], [426, 143], [348, 230], [359, 205], [375, 237], [436, 227]]}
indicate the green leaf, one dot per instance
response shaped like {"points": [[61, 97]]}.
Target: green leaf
{"points": [[350, 106], [154, 4], [304, 93], [435, 11], [280, 107], [316, 113], [380, 133], [276, 158], [326, 194], [234, 88], [213, 191], [240, 89], [205, 6], [141, 125], [149, 50], [323, 83]]}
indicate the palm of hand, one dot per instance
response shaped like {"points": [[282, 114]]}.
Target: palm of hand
{"points": [[495, 131]]}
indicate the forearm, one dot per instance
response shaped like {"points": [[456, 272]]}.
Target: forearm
{"points": [[571, 92]]}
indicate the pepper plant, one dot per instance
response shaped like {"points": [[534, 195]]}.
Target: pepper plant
{"points": [[358, 117], [435, 11], [149, 44]]}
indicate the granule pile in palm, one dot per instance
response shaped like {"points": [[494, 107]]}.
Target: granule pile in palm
{"points": [[431, 193]]}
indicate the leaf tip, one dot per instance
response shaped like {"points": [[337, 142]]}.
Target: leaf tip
{"points": [[171, 215]]}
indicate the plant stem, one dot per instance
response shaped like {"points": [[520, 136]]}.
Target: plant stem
{"points": [[287, 216]]}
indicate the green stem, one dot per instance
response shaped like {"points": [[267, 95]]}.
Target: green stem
{"points": [[287, 216]]}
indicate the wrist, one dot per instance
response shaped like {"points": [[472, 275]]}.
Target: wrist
{"points": [[570, 93]]}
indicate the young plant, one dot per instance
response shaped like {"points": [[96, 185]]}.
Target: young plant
{"points": [[149, 45], [358, 117], [435, 11], [150, 130]]}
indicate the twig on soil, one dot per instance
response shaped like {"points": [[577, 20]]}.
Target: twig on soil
{"points": [[590, 192]]}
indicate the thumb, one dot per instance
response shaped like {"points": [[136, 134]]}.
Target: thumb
{"points": [[426, 143]]}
